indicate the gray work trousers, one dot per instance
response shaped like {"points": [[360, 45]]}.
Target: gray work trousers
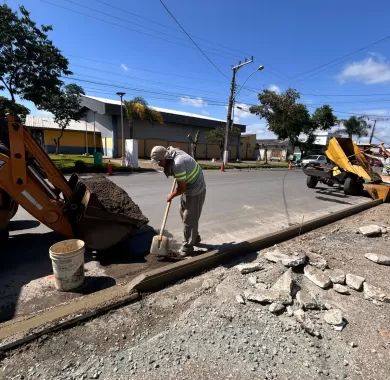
{"points": [[190, 210]]}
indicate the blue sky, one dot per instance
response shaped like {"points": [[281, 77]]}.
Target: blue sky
{"points": [[324, 49]]}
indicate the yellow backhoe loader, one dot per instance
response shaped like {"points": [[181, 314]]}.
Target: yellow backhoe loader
{"points": [[349, 168], [30, 179]]}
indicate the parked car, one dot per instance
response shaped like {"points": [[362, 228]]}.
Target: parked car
{"points": [[319, 159]]}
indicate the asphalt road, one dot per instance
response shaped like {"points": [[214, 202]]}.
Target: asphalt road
{"points": [[239, 204]]}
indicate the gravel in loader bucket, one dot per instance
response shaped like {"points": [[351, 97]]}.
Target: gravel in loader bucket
{"points": [[104, 214]]}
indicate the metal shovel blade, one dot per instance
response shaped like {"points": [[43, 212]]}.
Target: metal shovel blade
{"points": [[160, 246]]}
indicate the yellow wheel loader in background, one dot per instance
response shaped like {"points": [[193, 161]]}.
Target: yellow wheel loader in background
{"points": [[350, 168]]}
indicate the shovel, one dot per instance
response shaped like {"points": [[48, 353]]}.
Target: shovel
{"points": [[160, 243]]}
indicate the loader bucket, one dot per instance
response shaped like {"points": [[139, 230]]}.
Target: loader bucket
{"points": [[377, 191], [102, 213], [346, 155]]}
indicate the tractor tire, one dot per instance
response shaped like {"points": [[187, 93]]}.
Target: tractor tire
{"points": [[352, 186], [311, 181]]}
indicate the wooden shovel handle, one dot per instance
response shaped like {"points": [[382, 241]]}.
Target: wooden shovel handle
{"points": [[166, 212]]}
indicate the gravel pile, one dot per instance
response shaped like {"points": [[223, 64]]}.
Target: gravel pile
{"points": [[207, 328], [114, 199]]}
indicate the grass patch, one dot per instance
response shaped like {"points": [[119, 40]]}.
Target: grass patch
{"points": [[68, 164]]}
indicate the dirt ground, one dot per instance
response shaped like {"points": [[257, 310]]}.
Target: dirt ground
{"points": [[197, 329]]}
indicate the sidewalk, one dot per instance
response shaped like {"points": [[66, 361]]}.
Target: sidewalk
{"points": [[208, 164]]}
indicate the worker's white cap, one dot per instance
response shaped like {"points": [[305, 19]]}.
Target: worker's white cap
{"points": [[158, 153]]}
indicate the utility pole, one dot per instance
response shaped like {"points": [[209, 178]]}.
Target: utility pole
{"points": [[120, 94], [372, 132], [229, 121], [94, 131], [86, 138]]}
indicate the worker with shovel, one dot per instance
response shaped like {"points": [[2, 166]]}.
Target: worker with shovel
{"points": [[191, 187]]}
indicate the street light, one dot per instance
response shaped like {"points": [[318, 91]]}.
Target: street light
{"points": [[121, 94], [232, 99]]}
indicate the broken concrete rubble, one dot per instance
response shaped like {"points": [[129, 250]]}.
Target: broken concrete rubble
{"points": [[317, 277], [249, 267], [354, 282], [341, 289], [269, 296], [276, 308], [252, 280], [370, 230], [317, 261], [337, 276], [240, 299], [294, 260], [374, 293], [279, 292], [306, 300], [378, 258], [333, 317]]}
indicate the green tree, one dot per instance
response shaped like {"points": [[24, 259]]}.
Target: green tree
{"points": [[285, 117], [30, 65], [138, 108], [8, 106], [355, 126], [65, 106], [289, 119], [217, 136], [323, 118]]}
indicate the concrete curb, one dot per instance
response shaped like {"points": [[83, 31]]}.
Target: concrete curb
{"points": [[22, 330], [158, 278]]}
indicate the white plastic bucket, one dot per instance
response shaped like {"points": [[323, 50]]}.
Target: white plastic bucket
{"points": [[67, 259]]}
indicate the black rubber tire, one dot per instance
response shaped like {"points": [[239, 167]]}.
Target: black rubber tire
{"points": [[311, 181], [352, 186]]}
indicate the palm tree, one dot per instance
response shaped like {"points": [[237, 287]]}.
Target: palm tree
{"points": [[355, 126], [138, 108]]}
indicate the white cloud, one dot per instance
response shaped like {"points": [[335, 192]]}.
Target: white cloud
{"points": [[124, 67], [370, 70], [241, 111], [204, 112], [274, 88], [194, 102]]}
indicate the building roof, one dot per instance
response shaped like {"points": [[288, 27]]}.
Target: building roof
{"points": [[111, 106], [273, 142], [48, 123]]}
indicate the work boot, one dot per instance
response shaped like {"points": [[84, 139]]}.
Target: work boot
{"points": [[186, 250], [198, 240]]}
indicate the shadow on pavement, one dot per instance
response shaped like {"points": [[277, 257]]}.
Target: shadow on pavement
{"points": [[333, 200], [26, 284], [131, 250], [16, 225]]}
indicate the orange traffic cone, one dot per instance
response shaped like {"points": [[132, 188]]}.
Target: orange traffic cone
{"points": [[290, 167], [109, 168]]}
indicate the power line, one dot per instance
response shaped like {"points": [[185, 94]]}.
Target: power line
{"points": [[124, 75], [192, 40], [121, 86], [335, 61], [156, 36], [112, 6]]}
